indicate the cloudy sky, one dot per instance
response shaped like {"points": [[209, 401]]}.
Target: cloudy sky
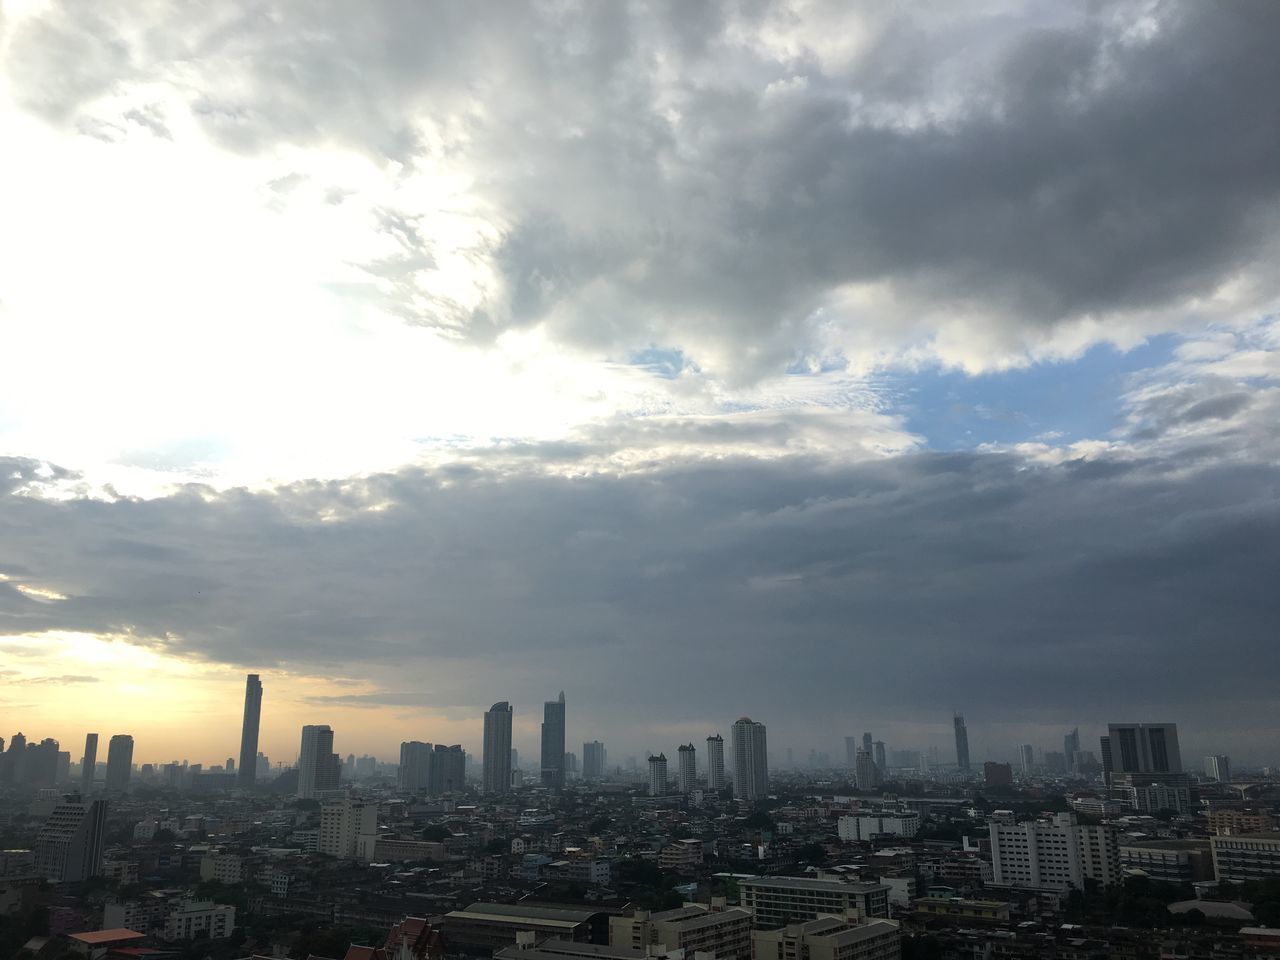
{"points": [[839, 364]]}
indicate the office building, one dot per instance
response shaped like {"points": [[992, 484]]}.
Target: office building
{"points": [[1026, 758], [68, 846], [776, 901], [724, 932], [865, 772], [119, 762], [715, 763], [495, 775], [414, 772], [1146, 766], [448, 772], [249, 731], [553, 726], [1245, 857], [829, 938], [750, 760], [318, 766], [1171, 861], [962, 741], [862, 827], [1218, 767], [1057, 853], [88, 764], [687, 770], [193, 918], [997, 774], [1172, 793], [348, 829], [1070, 747], [1104, 749], [658, 775], [850, 752], [881, 757], [594, 760]]}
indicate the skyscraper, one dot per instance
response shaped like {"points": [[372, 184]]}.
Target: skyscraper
{"points": [[715, 762], [866, 743], [750, 760], [1218, 767], [249, 731], [865, 773], [89, 764], [119, 762], [1070, 747], [1147, 765], [687, 770], [962, 742], [553, 723], [68, 846], [850, 751], [318, 766], [11, 762], [495, 776], [593, 760], [448, 772], [1027, 756], [415, 766], [658, 775], [880, 758], [1104, 746]]}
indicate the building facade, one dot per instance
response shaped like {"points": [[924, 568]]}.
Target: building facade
{"points": [[750, 760], [68, 846], [715, 763], [778, 901], [553, 731], [119, 762], [248, 773], [495, 776], [1058, 853]]}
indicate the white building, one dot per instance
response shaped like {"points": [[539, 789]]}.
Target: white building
{"points": [[193, 916], [1057, 853], [750, 760], [344, 824], [865, 826], [658, 775]]}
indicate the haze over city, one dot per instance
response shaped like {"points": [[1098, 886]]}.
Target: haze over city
{"points": [[841, 365]]}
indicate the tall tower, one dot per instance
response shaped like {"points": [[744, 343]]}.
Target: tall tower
{"points": [[317, 763], [688, 768], [89, 764], [415, 766], [249, 731], [750, 760], [962, 742], [882, 760], [1070, 747], [715, 763], [119, 762], [658, 775], [496, 774], [553, 722], [593, 760], [850, 751], [865, 773]]}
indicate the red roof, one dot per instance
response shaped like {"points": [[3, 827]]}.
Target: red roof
{"points": [[118, 935]]}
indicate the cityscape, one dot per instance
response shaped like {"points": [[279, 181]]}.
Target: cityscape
{"points": [[639, 480]]}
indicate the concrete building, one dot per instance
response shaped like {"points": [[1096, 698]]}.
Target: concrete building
{"points": [[863, 827], [750, 760], [414, 772], [1218, 767], [1244, 857], [658, 775], [997, 774], [687, 770], [1070, 747], [119, 762], [553, 732], [1173, 861], [1026, 758], [318, 766], [1167, 794], [1057, 853], [881, 756], [89, 765], [495, 775], [448, 770], [681, 855], [248, 774], [724, 932], [1228, 822], [865, 772], [482, 928], [68, 846], [594, 761], [962, 741], [348, 829], [829, 938], [715, 763], [776, 901], [192, 917]]}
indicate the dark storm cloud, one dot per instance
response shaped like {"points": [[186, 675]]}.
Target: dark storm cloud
{"points": [[677, 174]]}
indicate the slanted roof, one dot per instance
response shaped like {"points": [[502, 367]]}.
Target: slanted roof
{"points": [[114, 935]]}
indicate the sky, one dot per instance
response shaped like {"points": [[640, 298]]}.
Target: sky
{"points": [[842, 365]]}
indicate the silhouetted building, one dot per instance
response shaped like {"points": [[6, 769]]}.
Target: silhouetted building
{"points": [[658, 775], [448, 772], [319, 768], [962, 741], [88, 764], [553, 724], [119, 762], [715, 763], [997, 774], [496, 773], [249, 730], [68, 847], [750, 760], [414, 773], [594, 760]]}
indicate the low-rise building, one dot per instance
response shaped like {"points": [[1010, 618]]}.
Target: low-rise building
{"points": [[829, 938], [777, 901], [865, 826], [1174, 861], [1249, 856], [691, 928], [958, 908], [191, 917]]}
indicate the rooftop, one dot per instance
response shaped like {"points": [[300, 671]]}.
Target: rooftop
{"points": [[115, 935], [509, 911]]}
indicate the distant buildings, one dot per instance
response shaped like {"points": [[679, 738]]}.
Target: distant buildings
{"points": [[553, 727], [1146, 765], [865, 771], [414, 771], [88, 764], [1057, 853], [862, 827], [448, 772], [687, 770], [249, 731], [880, 756], [658, 775], [495, 774], [119, 762], [1071, 747], [997, 774], [68, 847], [962, 741], [1218, 767], [594, 760], [715, 763], [776, 901], [319, 768], [750, 760], [1027, 758]]}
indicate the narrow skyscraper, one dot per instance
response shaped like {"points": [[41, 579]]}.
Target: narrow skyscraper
{"points": [[415, 766], [553, 724], [318, 765], [496, 774], [119, 762], [715, 763], [593, 761], [89, 765], [750, 760], [962, 742], [249, 731], [687, 770], [658, 775]]}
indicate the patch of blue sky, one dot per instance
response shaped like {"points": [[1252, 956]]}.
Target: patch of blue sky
{"points": [[1058, 403], [666, 363]]}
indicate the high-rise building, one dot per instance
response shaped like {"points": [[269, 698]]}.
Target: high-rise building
{"points": [[866, 743], [864, 771], [570, 766], [715, 763], [593, 760], [40, 763], [962, 741], [553, 723], [1070, 747], [263, 766], [997, 774], [1218, 767], [1057, 853], [1147, 766], [415, 766], [319, 768], [12, 761], [687, 768], [1104, 747], [448, 770], [658, 775], [68, 846], [88, 764], [850, 751], [249, 731], [346, 826], [880, 757], [1027, 756], [750, 760], [119, 762], [495, 776]]}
